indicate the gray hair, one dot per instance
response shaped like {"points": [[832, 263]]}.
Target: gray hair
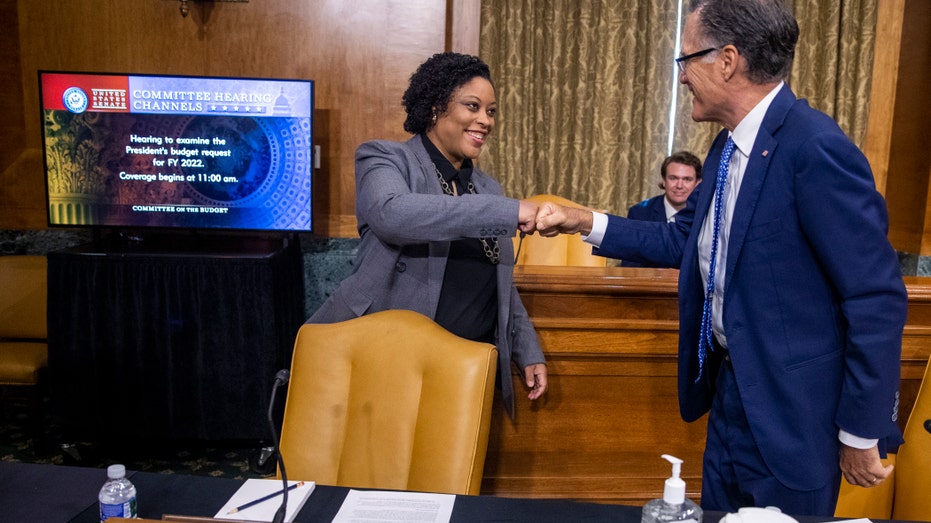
{"points": [[764, 31]]}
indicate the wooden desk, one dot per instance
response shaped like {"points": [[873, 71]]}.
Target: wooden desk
{"points": [[610, 336]]}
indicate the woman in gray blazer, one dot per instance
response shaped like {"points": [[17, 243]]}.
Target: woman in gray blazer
{"points": [[436, 231]]}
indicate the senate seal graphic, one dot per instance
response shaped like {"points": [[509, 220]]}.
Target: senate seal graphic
{"points": [[75, 100]]}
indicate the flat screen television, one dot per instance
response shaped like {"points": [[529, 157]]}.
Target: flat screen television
{"points": [[170, 152]]}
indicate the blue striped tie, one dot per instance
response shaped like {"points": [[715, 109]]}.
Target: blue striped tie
{"points": [[704, 340]]}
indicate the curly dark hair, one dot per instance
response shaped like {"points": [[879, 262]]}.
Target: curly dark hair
{"points": [[432, 85]]}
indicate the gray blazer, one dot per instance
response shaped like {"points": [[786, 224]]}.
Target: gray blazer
{"points": [[399, 205]]}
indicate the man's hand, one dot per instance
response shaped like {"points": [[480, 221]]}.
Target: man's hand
{"points": [[862, 466], [527, 216], [553, 219], [535, 377]]}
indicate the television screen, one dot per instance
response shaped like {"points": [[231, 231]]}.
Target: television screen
{"points": [[177, 151]]}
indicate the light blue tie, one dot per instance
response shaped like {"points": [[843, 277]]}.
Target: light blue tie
{"points": [[704, 340]]}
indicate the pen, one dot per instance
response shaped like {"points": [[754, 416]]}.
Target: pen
{"points": [[264, 498]]}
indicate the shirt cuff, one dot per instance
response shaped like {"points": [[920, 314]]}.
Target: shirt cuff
{"points": [[856, 441], [599, 226]]}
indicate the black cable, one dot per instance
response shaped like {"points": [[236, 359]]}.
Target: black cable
{"points": [[280, 379], [519, 245]]}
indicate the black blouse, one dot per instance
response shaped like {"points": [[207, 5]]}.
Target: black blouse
{"points": [[468, 303]]}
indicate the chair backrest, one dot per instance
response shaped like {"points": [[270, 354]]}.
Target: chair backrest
{"points": [[389, 400], [904, 495], [23, 297], [913, 462], [559, 250], [873, 503]]}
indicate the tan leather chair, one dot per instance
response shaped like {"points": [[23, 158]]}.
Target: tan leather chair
{"points": [[559, 250], [913, 462], [389, 400], [905, 494], [23, 327], [874, 502]]}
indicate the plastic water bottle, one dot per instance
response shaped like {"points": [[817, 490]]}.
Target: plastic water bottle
{"points": [[118, 495]]}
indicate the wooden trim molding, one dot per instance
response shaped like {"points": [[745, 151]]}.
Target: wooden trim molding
{"points": [[464, 18], [882, 91]]}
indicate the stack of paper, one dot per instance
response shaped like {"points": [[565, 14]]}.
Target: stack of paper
{"points": [[242, 505]]}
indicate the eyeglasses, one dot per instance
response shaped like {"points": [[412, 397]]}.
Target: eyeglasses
{"points": [[683, 61]]}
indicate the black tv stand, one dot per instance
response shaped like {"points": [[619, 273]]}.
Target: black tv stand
{"points": [[186, 243], [191, 329]]}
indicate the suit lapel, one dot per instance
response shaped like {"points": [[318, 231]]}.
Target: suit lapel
{"points": [[747, 199], [424, 168], [757, 169], [658, 208]]}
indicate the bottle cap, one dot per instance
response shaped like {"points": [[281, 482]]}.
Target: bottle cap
{"points": [[674, 491], [116, 471]]}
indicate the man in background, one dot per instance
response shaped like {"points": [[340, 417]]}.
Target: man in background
{"points": [[791, 299], [680, 173]]}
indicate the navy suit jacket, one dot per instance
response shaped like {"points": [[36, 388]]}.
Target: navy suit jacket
{"points": [[814, 302], [651, 210]]}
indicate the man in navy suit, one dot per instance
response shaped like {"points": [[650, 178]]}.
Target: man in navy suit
{"points": [[680, 172], [794, 346]]}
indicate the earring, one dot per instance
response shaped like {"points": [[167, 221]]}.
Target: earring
{"points": [[434, 119]]}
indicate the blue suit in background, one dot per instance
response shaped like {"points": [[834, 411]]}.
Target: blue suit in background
{"points": [[651, 210], [814, 303]]}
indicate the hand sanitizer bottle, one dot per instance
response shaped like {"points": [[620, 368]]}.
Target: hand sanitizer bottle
{"points": [[673, 506]]}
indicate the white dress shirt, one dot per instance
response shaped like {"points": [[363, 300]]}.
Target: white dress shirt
{"points": [[670, 210]]}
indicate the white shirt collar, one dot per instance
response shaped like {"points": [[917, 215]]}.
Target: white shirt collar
{"points": [[744, 134], [670, 210]]}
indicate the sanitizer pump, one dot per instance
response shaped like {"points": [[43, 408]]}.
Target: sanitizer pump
{"points": [[673, 506]]}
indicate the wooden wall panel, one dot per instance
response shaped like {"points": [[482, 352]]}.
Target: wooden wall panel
{"points": [[882, 90], [14, 187], [610, 336], [898, 143], [360, 54], [464, 26]]}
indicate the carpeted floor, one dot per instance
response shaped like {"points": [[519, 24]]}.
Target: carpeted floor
{"points": [[231, 459]]}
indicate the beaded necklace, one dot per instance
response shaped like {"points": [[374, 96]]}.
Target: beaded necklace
{"points": [[492, 251]]}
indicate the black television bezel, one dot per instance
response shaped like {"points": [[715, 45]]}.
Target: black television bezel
{"points": [[138, 233]]}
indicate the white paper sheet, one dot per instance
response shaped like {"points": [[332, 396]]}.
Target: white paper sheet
{"points": [[254, 489], [399, 507]]}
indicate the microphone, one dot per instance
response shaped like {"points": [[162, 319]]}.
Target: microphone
{"points": [[281, 378]]}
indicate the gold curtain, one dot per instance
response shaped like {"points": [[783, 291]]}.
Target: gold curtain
{"points": [[584, 89], [834, 59], [582, 113]]}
